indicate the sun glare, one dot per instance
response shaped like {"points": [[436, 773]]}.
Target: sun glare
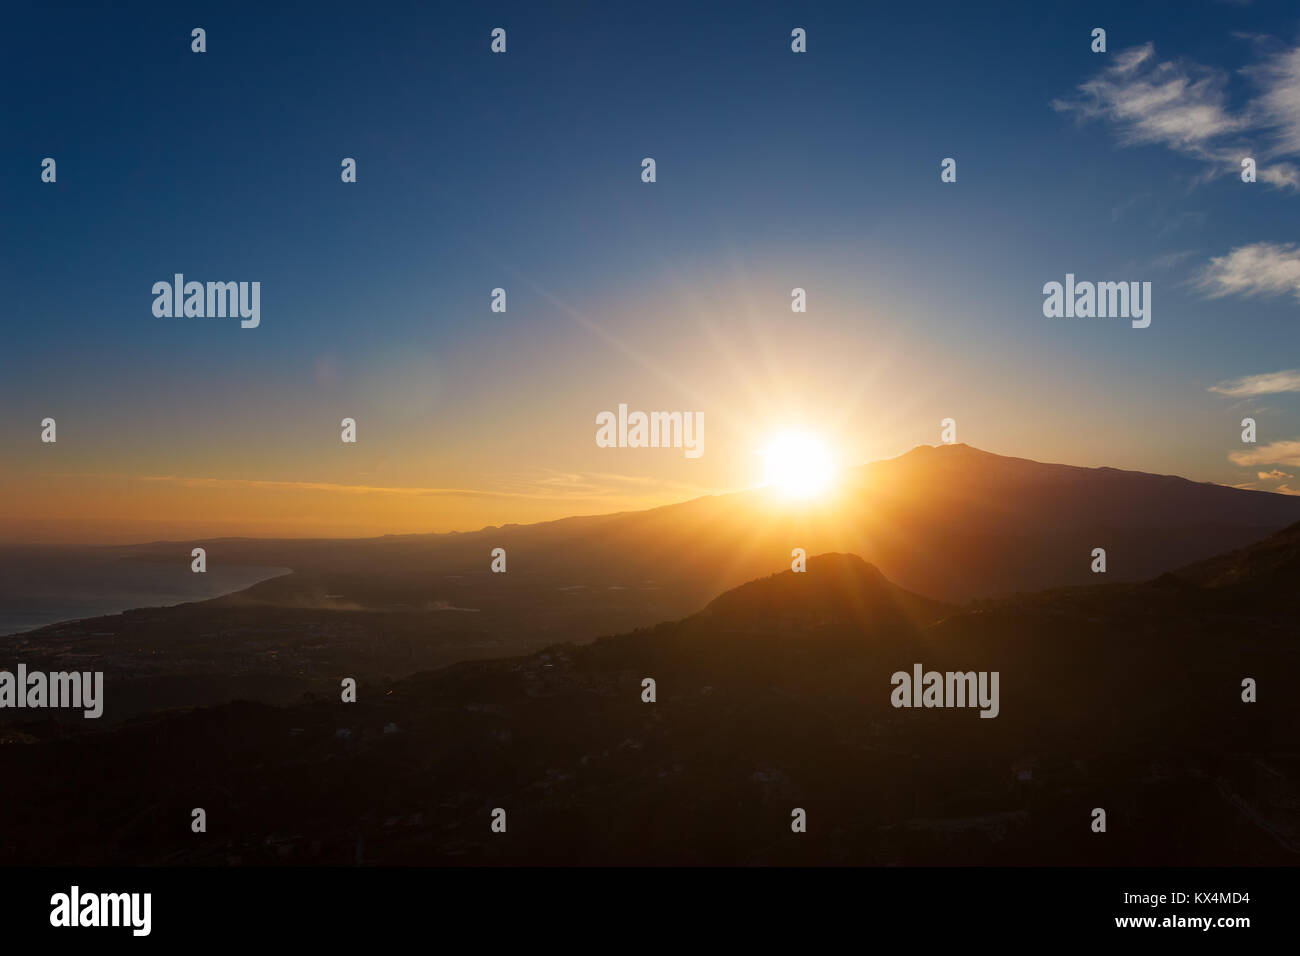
{"points": [[797, 465]]}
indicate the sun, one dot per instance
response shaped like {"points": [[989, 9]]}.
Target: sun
{"points": [[797, 465]]}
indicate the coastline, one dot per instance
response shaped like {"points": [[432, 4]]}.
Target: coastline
{"points": [[41, 592]]}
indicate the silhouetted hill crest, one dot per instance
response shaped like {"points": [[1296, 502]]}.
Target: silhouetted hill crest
{"points": [[835, 587]]}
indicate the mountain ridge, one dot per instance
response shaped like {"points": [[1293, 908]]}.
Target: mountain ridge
{"points": [[951, 522], [917, 452]]}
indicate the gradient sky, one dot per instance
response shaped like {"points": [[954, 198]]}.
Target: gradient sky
{"points": [[522, 170]]}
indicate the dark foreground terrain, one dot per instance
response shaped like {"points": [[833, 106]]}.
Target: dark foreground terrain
{"points": [[1125, 697]]}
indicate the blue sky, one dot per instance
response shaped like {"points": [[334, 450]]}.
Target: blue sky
{"points": [[522, 170]]}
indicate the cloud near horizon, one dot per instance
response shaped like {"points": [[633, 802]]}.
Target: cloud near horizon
{"points": [[564, 485], [1278, 453], [546, 485]]}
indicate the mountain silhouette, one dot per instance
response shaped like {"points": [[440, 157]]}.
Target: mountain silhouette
{"points": [[950, 522], [945, 525]]}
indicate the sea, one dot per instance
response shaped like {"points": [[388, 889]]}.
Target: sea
{"points": [[47, 585]]}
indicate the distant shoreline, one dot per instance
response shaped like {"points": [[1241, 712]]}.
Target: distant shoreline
{"points": [[43, 588]]}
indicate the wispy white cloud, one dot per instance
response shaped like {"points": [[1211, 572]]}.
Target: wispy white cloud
{"points": [[1275, 475], [1181, 106], [1281, 175], [1278, 106], [1184, 106], [1268, 383], [1261, 268]]}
